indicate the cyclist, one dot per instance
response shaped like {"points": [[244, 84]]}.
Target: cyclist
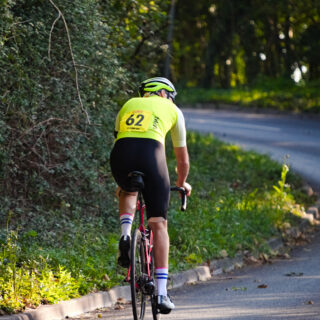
{"points": [[140, 129]]}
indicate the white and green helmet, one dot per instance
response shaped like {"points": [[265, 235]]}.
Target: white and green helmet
{"points": [[157, 84]]}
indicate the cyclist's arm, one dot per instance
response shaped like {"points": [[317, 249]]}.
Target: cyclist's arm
{"points": [[183, 166], [179, 140], [178, 131]]}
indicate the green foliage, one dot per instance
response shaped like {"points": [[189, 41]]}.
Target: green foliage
{"points": [[282, 182], [66, 66], [54, 288], [234, 205], [284, 198], [30, 282], [49, 145], [142, 26], [65, 69], [230, 43], [266, 93]]}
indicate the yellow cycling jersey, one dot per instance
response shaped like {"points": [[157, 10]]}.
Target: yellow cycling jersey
{"points": [[151, 117]]}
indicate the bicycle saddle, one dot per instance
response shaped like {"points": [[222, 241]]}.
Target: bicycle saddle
{"points": [[135, 181]]}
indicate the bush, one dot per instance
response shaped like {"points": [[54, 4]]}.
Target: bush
{"points": [[66, 66], [65, 69]]}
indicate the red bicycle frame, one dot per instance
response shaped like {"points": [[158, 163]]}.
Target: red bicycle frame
{"points": [[142, 229]]}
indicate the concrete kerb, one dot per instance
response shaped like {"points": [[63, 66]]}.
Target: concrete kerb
{"points": [[201, 273], [109, 298], [105, 299], [74, 307]]}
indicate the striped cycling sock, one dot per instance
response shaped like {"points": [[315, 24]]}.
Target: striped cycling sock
{"points": [[126, 223], [162, 278]]}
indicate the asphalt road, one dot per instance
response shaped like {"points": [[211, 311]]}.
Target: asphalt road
{"points": [[291, 138], [290, 290], [285, 289]]}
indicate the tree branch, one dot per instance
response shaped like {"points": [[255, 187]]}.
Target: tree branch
{"points": [[39, 124], [50, 35], [72, 56]]}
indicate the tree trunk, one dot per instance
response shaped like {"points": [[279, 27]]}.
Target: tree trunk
{"points": [[169, 39]]}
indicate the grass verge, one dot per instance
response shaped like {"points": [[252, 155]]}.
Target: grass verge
{"points": [[265, 94], [240, 199]]}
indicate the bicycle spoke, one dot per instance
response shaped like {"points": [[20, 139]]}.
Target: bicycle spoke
{"points": [[137, 276]]}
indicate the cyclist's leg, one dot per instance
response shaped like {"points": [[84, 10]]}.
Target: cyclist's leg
{"points": [[121, 165], [127, 208], [161, 255], [157, 194], [161, 252]]}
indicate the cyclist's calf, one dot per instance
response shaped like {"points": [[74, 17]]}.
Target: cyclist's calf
{"points": [[128, 201], [161, 242]]}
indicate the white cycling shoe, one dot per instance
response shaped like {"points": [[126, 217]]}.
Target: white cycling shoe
{"points": [[164, 304]]}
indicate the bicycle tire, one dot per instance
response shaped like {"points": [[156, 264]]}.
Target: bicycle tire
{"points": [[138, 269]]}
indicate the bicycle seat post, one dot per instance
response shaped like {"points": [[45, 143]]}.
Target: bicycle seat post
{"points": [[136, 183]]}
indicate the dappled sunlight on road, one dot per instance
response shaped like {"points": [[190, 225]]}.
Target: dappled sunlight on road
{"points": [[238, 309]]}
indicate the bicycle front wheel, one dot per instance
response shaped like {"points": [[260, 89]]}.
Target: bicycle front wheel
{"points": [[155, 312], [137, 274]]}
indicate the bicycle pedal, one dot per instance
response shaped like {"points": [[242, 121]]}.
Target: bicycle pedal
{"points": [[149, 287]]}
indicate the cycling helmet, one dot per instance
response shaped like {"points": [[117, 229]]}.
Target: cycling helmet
{"points": [[157, 84]]}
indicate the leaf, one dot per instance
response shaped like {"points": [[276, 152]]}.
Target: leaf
{"points": [[122, 301], [294, 274], [277, 189], [32, 233], [223, 253], [251, 260], [239, 288]]}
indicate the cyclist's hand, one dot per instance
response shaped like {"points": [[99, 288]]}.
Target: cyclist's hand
{"points": [[186, 187]]}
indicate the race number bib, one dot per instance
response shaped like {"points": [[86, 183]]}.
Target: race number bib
{"points": [[137, 121]]}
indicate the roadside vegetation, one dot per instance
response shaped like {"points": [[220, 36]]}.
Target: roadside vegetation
{"points": [[239, 200], [279, 95]]}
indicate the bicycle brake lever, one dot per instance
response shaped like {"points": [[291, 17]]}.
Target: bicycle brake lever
{"points": [[183, 197]]}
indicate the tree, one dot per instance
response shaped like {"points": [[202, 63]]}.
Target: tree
{"points": [[270, 38]]}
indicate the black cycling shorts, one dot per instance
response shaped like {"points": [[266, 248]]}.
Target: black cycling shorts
{"points": [[147, 156]]}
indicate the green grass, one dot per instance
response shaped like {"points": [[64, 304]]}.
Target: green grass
{"points": [[266, 94], [239, 200]]}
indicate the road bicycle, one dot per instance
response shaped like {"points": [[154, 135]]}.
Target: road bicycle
{"points": [[141, 269]]}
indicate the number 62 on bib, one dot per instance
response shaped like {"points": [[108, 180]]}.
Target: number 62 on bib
{"points": [[137, 121]]}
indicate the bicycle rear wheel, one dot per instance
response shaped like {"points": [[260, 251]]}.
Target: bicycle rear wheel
{"points": [[137, 274]]}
